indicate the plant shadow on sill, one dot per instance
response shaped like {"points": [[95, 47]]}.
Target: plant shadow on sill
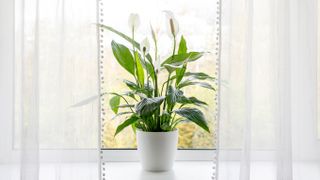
{"points": [[168, 175]]}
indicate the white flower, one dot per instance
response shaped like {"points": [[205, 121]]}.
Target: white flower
{"points": [[145, 46], [153, 33], [155, 24], [134, 21], [172, 24]]}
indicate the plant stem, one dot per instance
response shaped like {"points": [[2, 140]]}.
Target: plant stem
{"points": [[155, 73], [126, 102], [156, 91], [169, 76], [144, 59], [134, 57], [167, 86]]}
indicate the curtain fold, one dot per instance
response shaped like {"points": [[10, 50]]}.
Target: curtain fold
{"points": [[56, 66], [268, 99]]}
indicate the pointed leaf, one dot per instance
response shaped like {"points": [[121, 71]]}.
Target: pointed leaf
{"points": [[195, 76], [147, 106], [150, 70], [140, 72], [182, 46], [180, 73], [194, 115], [130, 40], [114, 103], [191, 83], [171, 67], [179, 59], [148, 67], [191, 100], [199, 75], [123, 56], [173, 95], [131, 85], [126, 123], [134, 128], [121, 35]]}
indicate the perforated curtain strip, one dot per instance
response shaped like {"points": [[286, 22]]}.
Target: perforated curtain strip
{"points": [[217, 50], [101, 90], [217, 98]]}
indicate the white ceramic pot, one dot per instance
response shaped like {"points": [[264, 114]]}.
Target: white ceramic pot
{"points": [[157, 150]]}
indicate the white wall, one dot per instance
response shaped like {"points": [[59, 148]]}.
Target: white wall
{"points": [[6, 76]]}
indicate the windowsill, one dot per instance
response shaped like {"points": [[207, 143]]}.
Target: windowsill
{"points": [[183, 170]]}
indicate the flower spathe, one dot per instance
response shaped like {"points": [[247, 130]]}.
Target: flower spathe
{"points": [[153, 33], [134, 21], [145, 46], [172, 24]]}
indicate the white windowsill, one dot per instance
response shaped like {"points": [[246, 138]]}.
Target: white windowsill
{"points": [[183, 170]]}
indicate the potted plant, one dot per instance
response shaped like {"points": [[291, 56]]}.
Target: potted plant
{"points": [[158, 106]]}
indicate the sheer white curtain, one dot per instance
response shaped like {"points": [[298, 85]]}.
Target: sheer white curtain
{"points": [[268, 113], [55, 66]]}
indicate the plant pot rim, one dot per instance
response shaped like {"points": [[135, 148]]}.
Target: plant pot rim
{"points": [[155, 132]]}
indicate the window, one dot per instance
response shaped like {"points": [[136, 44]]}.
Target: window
{"points": [[67, 73], [197, 24], [78, 78]]}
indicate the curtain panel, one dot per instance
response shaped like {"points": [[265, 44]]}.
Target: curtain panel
{"points": [[268, 111], [55, 67]]}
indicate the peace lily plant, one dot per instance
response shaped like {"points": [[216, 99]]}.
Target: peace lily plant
{"points": [[158, 106]]}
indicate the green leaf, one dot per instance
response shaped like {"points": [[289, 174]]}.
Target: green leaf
{"points": [[140, 72], [142, 92], [179, 59], [130, 40], [173, 95], [196, 75], [180, 73], [150, 70], [148, 88], [191, 83], [166, 127], [126, 123], [194, 115], [123, 56], [199, 75], [191, 100], [182, 46], [134, 128], [148, 67], [131, 85], [165, 117], [148, 106], [171, 67], [114, 103], [121, 35], [140, 125]]}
